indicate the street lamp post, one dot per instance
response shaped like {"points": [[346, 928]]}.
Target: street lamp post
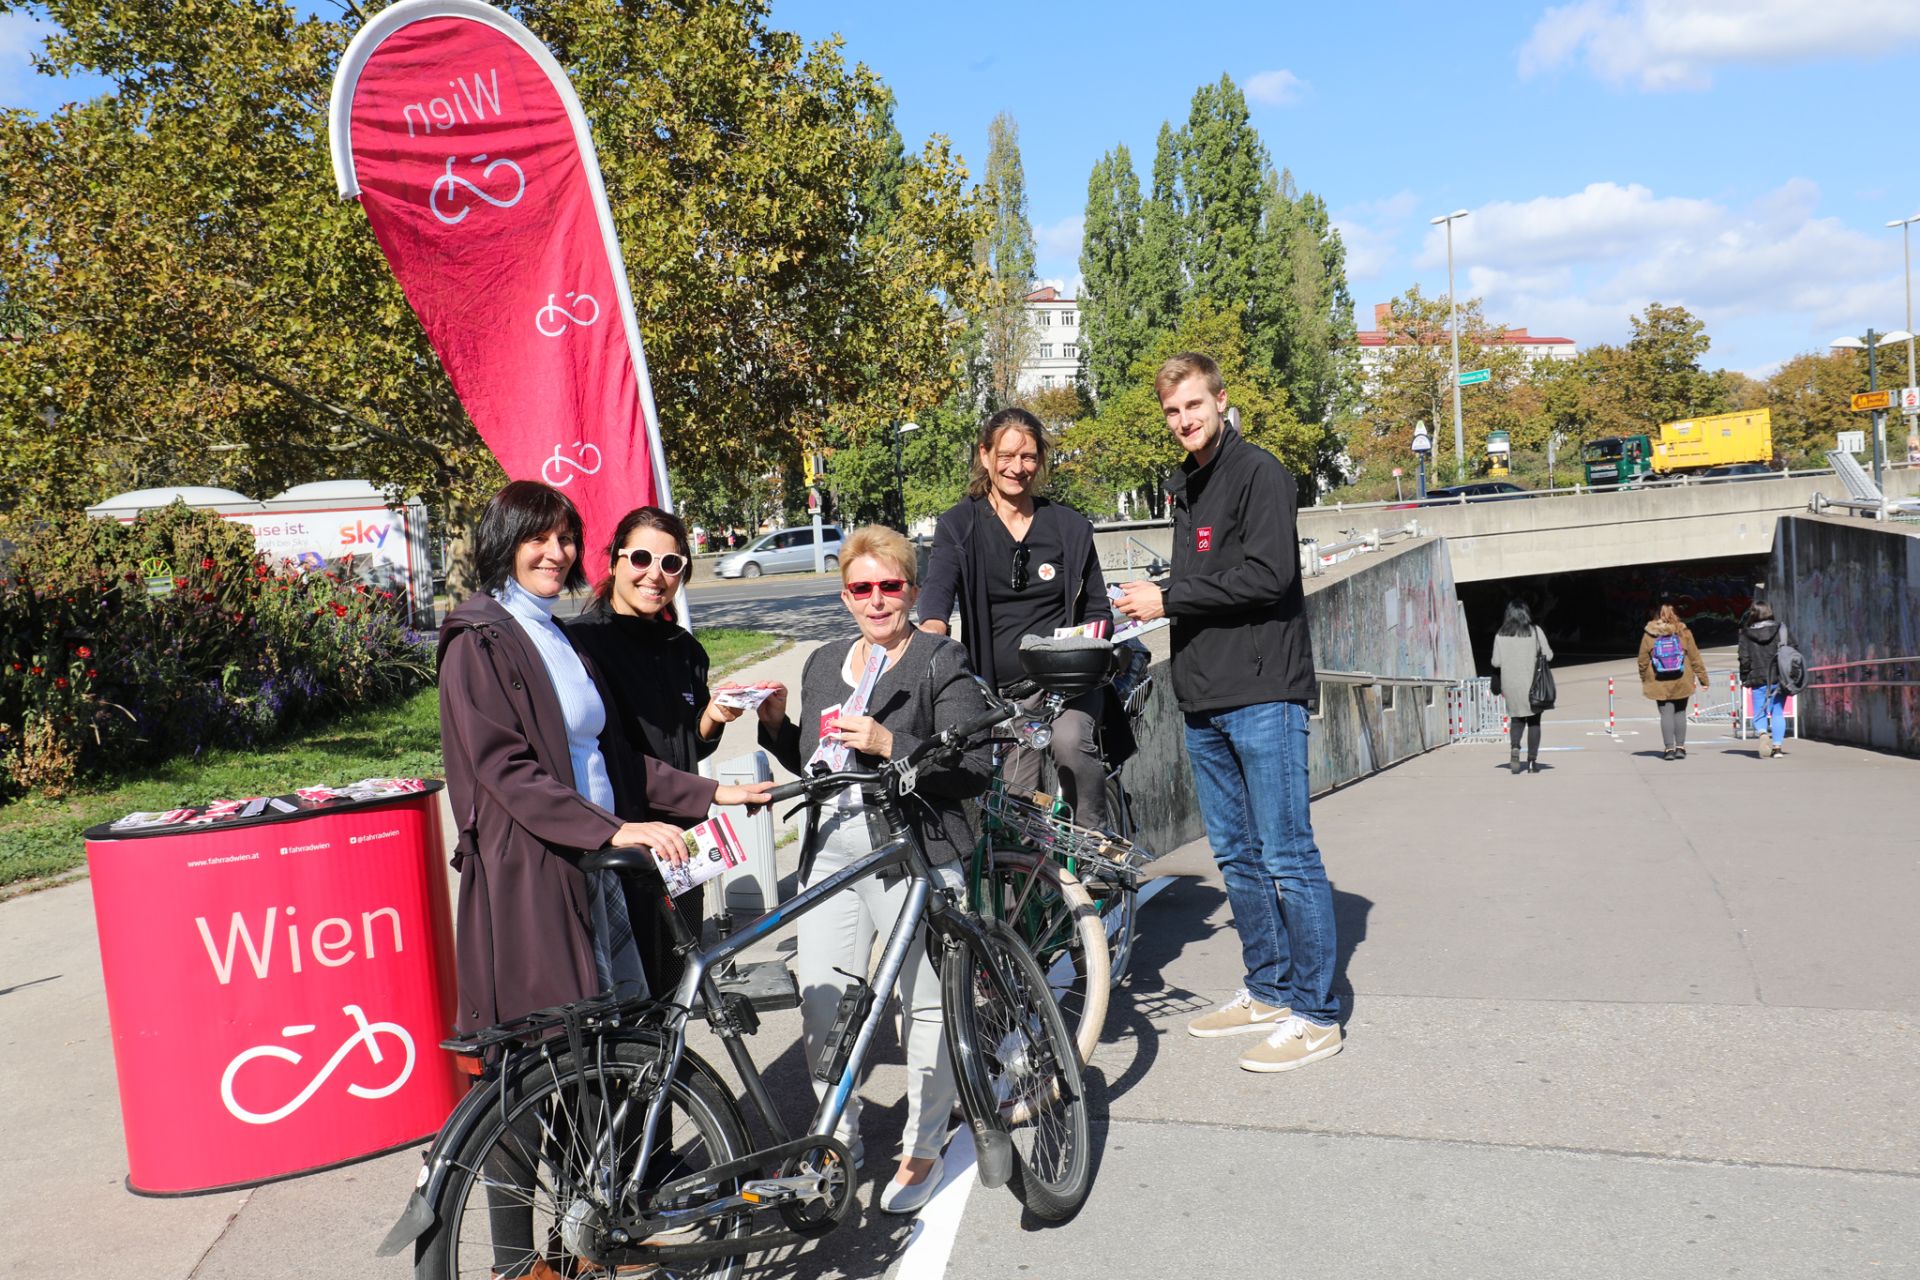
{"points": [[1872, 341], [1906, 251], [900, 476], [1453, 323]]}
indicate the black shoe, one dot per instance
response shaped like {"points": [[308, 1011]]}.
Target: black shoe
{"points": [[1533, 766], [1668, 754], [1679, 753]]}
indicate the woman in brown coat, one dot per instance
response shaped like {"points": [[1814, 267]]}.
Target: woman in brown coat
{"points": [[536, 778], [1670, 670]]}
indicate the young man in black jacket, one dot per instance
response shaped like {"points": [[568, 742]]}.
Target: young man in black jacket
{"points": [[1243, 672]]}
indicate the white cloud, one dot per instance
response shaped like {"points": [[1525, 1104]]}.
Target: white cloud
{"points": [[1279, 88], [1369, 231], [1769, 272], [1060, 239], [1676, 44]]}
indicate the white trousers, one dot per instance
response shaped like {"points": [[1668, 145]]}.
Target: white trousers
{"points": [[840, 933]]}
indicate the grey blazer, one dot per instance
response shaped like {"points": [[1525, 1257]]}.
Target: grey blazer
{"points": [[930, 689]]}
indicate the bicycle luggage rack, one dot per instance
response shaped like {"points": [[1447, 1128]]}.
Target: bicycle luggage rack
{"points": [[1029, 816]]}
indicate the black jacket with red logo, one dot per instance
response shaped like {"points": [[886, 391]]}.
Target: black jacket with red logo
{"points": [[1240, 632]]}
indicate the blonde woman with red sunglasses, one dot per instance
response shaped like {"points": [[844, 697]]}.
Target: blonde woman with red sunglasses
{"points": [[924, 683]]}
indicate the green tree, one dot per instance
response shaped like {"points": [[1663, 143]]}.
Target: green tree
{"points": [[1221, 164], [1113, 311], [207, 309], [1005, 256], [1126, 447], [1162, 266], [1663, 361], [1811, 398]]}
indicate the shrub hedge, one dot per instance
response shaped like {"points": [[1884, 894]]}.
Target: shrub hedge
{"points": [[123, 644]]}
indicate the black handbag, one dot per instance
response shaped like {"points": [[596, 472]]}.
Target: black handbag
{"points": [[1544, 692]]}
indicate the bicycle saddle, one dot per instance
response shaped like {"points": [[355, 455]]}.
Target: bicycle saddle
{"points": [[1068, 665]]}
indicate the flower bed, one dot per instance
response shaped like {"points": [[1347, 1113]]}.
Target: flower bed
{"points": [[130, 643]]}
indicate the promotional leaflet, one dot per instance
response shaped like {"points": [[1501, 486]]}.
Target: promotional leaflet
{"points": [[712, 848]]}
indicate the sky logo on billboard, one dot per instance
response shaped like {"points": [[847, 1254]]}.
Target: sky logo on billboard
{"points": [[360, 531]]}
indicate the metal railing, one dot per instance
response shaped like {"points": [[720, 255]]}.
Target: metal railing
{"points": [[1898, 679]]}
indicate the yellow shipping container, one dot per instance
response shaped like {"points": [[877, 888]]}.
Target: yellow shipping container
{"points": [[1714, 441]]}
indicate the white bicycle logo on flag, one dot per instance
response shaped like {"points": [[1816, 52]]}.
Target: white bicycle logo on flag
{"points": [[560, 469], [559, 317], [448, 185], [369, 1034]]}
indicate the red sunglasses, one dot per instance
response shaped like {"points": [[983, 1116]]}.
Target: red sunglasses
{"points": [[886, 586]]}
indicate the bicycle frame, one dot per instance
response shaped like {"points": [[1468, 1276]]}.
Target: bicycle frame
{"points": [[925, 904]]}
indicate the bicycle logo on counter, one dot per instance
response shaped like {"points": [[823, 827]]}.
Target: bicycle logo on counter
{"points": [[369, 1034], [446, 190], [559, 469]]}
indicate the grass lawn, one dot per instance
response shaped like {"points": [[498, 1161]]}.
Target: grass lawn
{"points": [[41, 837]]}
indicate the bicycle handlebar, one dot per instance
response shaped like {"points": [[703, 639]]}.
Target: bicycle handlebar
{"points": [[824, 784]]}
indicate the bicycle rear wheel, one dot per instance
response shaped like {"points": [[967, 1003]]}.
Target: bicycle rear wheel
{"points": [[1060, 923], [535, 1182], [1017, 1068]]}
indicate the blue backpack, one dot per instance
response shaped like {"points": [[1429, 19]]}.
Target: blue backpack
{"points": [[1669, 657]]}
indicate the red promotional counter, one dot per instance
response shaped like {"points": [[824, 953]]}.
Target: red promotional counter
{"points": [[278, 987]]}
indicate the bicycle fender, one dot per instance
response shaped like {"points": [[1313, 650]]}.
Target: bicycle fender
{"points": [[993, 1156], [416, 1220]]}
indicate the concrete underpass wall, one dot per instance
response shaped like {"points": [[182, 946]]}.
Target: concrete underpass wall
{"points": [[1392, 613], [1850, 589]]}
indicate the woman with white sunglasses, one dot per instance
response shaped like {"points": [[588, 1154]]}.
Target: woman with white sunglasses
{"points": [[658, 674], [851, 718]]}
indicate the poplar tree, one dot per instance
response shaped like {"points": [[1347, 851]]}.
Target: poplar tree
{"points": [[1113, 313], [1162, 265], [1221, 164], [1006, 254]]}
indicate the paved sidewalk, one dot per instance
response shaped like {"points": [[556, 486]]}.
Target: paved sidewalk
{"points": [[1621, 1018]]}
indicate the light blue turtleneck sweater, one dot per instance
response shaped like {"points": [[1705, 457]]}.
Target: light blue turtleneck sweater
{"points": [[580, 703]]}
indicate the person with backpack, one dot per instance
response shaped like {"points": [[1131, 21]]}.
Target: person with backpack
{"points": [[1518, 650], [1774, 669], [1670, 670]]}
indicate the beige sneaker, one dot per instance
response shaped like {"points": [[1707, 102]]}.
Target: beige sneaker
{"points": [[1294, 1043], [1237, 1017]]}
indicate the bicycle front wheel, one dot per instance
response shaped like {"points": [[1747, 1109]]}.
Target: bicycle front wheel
{"points": [[538, 1182], [1017, 1068], [1059, 921]]}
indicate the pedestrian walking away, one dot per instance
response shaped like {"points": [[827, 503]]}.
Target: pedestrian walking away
{"points": [[1017, 564], [1243, 675], [1761, 636], [1670, 670], [1518, 650]]}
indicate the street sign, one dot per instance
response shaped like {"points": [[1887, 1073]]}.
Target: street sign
{"points": [[1910, 400], [813, 500], [1853, 441], [1497, 442], [1396, 473], [1423, 443], [1475, 376], [1863, 400]]}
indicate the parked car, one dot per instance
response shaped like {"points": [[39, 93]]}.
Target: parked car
{"points": [[782, 551], [1478, 491]]}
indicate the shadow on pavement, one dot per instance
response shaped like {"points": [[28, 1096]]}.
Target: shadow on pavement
{"points": [[1350, 912]]}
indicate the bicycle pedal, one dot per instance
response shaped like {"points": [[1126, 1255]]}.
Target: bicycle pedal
{"points": [[773, 1191]]}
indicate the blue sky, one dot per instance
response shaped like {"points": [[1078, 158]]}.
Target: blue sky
{"points": [[1739, 157]]}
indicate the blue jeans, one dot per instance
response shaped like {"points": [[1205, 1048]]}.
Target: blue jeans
{"points": [[1770, 705], [1250, 769]]}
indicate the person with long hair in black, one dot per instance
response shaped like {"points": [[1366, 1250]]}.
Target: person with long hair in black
{"points": [[657, 672], [1516, 650]]}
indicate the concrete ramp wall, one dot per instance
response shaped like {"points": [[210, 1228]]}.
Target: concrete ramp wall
{"points": [[1391, 614], [1849, 589]]}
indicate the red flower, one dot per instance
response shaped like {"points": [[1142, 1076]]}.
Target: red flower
{"points": [[179, 582], [207, 563], [19, 666], [39, 671], [59, 682], [339, 611], [83, 651], [260, 571], [92, 674]]}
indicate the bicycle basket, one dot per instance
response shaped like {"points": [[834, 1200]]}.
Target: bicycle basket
{"points": [[1028, 816]]}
